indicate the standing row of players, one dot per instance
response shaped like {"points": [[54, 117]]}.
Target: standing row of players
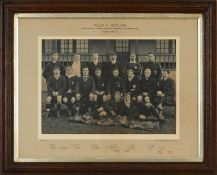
{"points": [[99, 87]]}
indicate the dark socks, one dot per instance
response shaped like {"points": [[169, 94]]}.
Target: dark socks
{"points": [[58, 106], [48, 106]]}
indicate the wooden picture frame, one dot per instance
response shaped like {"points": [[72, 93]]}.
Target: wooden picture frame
{"points": [[7, 10]]}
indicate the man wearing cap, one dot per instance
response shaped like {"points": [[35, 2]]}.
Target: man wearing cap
{"points": [[94, 64], [48, 70], [85, 87], [109, 67], [56, 86], [134, 65], [156, 71], [168, 88], [148, 85], [69, 97], [132, 84], [115, 83]]}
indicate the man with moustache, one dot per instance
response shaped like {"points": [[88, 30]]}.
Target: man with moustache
{"points": [[109, 67], [85, 88]]}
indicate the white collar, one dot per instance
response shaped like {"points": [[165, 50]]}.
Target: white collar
{"points": [[130, 78], [95, 62], [113, 62]]}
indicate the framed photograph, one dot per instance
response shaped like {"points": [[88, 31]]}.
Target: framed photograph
{"points": [[108, 87]]}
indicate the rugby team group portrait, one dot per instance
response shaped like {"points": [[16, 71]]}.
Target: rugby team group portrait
{"points": [[108, 91]]}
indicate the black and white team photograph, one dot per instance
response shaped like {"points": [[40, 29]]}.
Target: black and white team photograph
{"points": [[108, 86]]}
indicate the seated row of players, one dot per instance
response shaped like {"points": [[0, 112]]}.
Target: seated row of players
{"points": [[103, 97]]}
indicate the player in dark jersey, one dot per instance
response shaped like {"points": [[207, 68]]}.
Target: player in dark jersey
{"points": [[85, 87], [94, 64], [56, 86], [115, 83], [70, 95], [99, 86], [134, 65], [168, 88], [132, 84], [109, 67], [148, 85], [156, 71], [48, 70], [127, 109]]}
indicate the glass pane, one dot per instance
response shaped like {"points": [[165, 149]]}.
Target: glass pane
{"points": [[117, 44], [166, 50], [162, 45], [118, 49], [167, 45]]}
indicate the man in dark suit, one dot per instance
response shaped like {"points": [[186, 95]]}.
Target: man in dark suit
{"points": [[156, 71], [109, 67], [56, 86], [48, 70], [168, 88]]}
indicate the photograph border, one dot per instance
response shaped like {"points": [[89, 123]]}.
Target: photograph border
{"points": [[113, 136], [9, 8]]}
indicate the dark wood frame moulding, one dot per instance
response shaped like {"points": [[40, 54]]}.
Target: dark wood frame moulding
{"points": [[7, 10]]}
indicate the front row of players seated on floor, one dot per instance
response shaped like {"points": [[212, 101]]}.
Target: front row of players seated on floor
{"points": [[134, 98]]}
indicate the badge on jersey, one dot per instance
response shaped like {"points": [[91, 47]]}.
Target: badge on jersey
{"points": [[134, 86]]}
